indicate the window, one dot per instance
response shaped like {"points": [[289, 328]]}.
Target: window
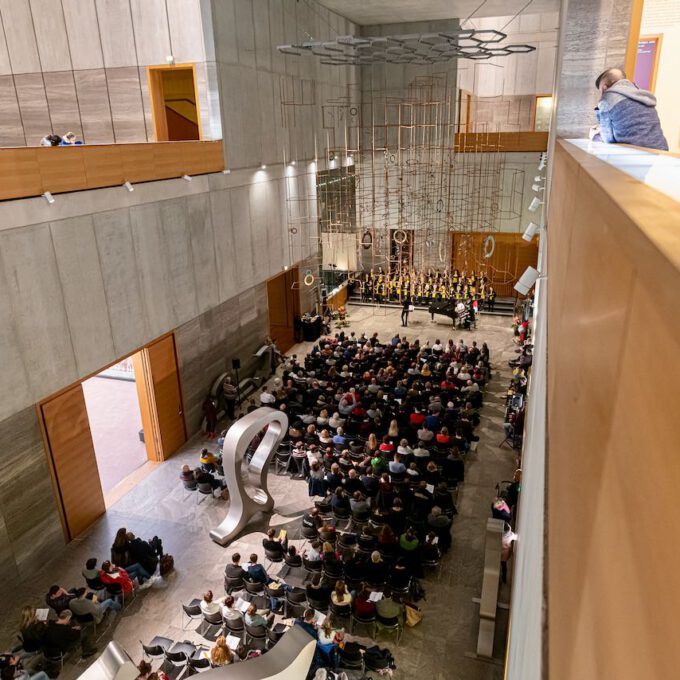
{"points": [[543, 113]]}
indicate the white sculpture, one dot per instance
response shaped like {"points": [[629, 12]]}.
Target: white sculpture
{"points": [[242, 507]]}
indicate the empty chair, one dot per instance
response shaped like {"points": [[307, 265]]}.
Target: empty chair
{"points": [[319, 605], [310, 533], [341, 515], [274, 634], [394, 627], [177, 659], [296, 602], [199, 665], [282, 459], [357, 620], [193, 613], [156, 648], [341, 611]]}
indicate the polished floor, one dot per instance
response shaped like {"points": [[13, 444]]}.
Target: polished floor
{"points": [[439, 648], [115, 422]]}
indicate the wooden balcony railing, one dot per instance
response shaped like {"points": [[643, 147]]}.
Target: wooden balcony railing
{"points": [[31, 171]]}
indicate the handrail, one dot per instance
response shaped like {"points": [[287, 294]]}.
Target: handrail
{"points": [[31, 171]]}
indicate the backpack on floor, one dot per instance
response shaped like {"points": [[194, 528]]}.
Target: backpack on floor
{"points": [[167, 564]]}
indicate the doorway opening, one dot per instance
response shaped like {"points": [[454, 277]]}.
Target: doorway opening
{"points": [[174, 103], [91, 430], [112, 403]]}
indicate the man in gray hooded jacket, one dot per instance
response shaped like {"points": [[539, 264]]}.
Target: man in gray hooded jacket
{"points": [[627, 114]]}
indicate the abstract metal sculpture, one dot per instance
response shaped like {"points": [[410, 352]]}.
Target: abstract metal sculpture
{"points": [[415, 48], [242, 506]]}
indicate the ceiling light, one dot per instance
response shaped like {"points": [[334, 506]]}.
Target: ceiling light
{"points": [[292, 162], [128, 186], [263, 166], [187, 178], [227, 171], [542, 163], [48, 197], [535, 187]]}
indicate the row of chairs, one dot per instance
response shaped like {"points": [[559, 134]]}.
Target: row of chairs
{"points": [[184, 660], [201, 490]]}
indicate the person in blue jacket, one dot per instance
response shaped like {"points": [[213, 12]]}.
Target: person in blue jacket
{"points": [[626, 114]]}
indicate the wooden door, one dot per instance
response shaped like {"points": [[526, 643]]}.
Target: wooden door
{"points": [[160, 361], [73, 461], [283, 298]]}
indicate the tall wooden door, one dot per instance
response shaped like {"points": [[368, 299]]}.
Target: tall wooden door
{"points": [[70, 447], [163, 376], [283, 299]]}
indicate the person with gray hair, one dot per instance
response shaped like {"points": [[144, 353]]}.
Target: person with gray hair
{"points": [[625, 113]]}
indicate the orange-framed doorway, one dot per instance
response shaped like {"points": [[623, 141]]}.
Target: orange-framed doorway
{"points": [[67, 438]]}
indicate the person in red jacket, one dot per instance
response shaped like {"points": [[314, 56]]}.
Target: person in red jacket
{"points": [[111, 574]]}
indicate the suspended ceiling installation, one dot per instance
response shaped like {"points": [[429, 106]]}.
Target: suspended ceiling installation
{"points": [[390, 173], [367, 12]]}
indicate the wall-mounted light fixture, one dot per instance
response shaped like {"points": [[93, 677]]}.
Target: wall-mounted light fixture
{"points": [[128, 185], [187, 178], [531, 231], [48, 197], [535, 204]]}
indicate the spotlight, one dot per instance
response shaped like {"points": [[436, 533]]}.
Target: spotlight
{"points": [[527, 280], [170, 59], [263, 166], [226, 172], [48, 197], [539, 178], [535, 204], [128, 186], [535, 187], [530, 231], [543, 161], [187, 178], [292, 162]]}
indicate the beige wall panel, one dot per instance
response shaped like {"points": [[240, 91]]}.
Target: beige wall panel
{"points": [[51, 36], [82, 28], [150, 21], [20, 36], [63, 104], [116, 33], [186, 30], [38, 308], [33, 105], [82, 284]]}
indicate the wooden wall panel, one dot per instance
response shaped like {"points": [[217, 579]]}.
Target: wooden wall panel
{"points": [[167, 396], [283, 299], [613, 405], [74, 464], [479, 142], [511, 256], [31, 171]]}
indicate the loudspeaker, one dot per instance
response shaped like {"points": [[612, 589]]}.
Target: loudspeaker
{"points": [[236, 364]]}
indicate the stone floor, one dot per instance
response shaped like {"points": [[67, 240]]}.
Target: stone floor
{"points": [[437, 649], [115, 422]]}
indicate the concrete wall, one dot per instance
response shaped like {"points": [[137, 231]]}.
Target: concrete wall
{"points": [[272, 103], [593, 36], [80, 65]]}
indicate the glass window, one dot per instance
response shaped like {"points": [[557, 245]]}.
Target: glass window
{"points": [[544, 106]]}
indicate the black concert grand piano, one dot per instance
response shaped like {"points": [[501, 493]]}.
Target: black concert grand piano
{"points": [[445, 308]]}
